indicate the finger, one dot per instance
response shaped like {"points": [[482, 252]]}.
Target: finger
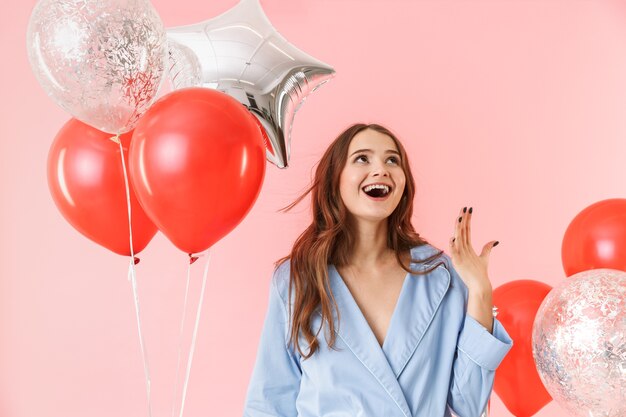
{"points": [[463, 230], [458, 231], [468, 231], [486, 252], [454, 248]]}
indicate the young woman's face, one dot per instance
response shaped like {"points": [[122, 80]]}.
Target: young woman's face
{"points": [[373, 159]]}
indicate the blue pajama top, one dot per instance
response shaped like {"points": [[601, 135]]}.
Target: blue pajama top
{"points": [[435, 358]]}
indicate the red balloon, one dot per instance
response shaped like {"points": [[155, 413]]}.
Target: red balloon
{"points": [[596, 238], [197, 161], [86, 180], [517, 381]]}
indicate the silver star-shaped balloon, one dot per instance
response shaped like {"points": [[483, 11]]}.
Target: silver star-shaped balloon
{"points": [[241, 54]]}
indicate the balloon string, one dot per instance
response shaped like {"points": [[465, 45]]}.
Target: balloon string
{"points": [[132, 277], [180, 337], [117, 140], [144, 352], [195, 334]]}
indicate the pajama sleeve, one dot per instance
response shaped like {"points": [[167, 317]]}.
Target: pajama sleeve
{"points": [[478, 354], [275, 381]]}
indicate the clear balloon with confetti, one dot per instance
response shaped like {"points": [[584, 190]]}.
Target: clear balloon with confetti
{"points": [[579, 343], [102, 61]]}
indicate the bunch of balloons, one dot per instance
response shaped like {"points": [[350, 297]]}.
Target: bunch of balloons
{"points": [[190, 164], [171, 129], [570, 341], [579, 335]]}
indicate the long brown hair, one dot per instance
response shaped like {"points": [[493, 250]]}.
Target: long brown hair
{"points": [[328, 239]]}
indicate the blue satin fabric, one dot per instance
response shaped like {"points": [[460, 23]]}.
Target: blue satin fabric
{"points": [[435, 358]]}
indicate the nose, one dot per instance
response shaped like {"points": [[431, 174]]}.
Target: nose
{"points": [[380, 170]]}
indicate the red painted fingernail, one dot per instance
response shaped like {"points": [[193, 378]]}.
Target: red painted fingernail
{"points": [[496, 244], [460, 219]]}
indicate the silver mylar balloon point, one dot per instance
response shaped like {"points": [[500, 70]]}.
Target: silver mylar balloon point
{"points": [[579, 343], [241, 54]]}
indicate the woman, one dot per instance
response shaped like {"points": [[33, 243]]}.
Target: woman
{"points": [[408, 332]]}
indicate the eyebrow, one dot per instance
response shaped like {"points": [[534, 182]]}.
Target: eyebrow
{"points": [[371, 151]]}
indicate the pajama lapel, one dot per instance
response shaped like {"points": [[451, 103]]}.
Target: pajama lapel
{"points": [[417, 304], [416, 308]]}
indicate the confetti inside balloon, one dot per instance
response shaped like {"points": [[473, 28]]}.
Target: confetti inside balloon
{"points": [[102, 61], [579, 343]]}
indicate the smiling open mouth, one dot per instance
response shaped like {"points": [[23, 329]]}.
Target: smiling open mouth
{"points": [[377, 190]]}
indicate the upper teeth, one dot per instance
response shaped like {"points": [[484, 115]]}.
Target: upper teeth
{"points": [[372, 186]]}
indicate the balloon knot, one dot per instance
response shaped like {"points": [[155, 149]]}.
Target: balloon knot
{"points": [[136, 260], [192, 259]]}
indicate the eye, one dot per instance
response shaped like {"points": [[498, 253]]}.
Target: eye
{"points": [[394, 160]]}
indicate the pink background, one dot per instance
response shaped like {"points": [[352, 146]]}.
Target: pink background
{"points": [[516, 108]]}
